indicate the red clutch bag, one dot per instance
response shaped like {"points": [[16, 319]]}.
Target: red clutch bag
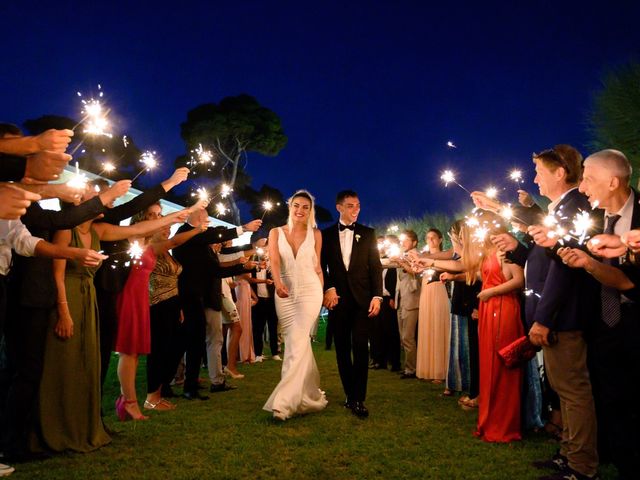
{"points": [[518, 353]]}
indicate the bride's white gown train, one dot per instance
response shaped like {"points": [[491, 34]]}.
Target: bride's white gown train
{"points": [[299, 387]]}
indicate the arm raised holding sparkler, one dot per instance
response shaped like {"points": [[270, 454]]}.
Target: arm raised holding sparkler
{"points": [[109, 232], [51, 140], [149, 197]]}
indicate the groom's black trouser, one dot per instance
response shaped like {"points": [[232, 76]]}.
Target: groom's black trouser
{"points": [[349, 323]]}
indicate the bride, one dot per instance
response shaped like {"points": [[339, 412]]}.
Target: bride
{"points": [[294, 250]]}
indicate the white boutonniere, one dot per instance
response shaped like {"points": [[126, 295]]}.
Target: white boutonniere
{"points": [[357, 237]]}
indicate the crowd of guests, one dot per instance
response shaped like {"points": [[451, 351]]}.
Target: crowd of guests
{"points": [[93, 296], [469, 318], [523, 279]]}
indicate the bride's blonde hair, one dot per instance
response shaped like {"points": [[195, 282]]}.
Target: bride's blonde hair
{"points": [[311, 222]]}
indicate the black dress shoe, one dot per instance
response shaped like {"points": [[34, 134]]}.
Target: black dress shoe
{"points": [[194, 395], [396, 369], [557, 462], [348, 404], [374, 366], [221, 387], [359, 410], [405, 375]]}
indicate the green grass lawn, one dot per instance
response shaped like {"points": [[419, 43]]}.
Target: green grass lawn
{"points": [[412, 432]]}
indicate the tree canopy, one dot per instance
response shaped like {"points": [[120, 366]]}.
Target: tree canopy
{"points": [[227, 132], [615, 117]]}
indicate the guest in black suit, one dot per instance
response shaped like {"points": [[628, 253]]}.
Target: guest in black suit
{"points": [[263, 313], [614, 343], [389, 334], [194, 286], [353, 294], [112, 275], [30, 305]]}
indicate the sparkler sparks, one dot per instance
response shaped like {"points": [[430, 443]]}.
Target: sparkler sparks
{"points": [[492, 192], [582, 225], [202, 194], [516, 176], [135, 251], [78, 180], [449, 177], [221, 209], [267, 206], [201, 156], [149, 161], [225, 190], [107, 167], [450, 144]]}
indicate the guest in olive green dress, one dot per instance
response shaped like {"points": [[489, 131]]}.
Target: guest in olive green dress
{"points": [[69, 411]]}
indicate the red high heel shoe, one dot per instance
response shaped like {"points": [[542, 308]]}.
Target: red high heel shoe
{"points": [[123, 413]]}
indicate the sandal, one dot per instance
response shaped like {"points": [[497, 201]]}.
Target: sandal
{"points": [[447, 393], [160, 405], [470, 404], [463, 399]]}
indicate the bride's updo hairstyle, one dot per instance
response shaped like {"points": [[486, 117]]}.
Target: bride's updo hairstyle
{"points": [[311, 223]]}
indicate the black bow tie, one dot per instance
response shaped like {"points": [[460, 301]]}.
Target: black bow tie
{"points": [[350, 227]]}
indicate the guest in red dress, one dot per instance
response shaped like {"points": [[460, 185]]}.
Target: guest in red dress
{"points": [[499, 325], [134, 328]]}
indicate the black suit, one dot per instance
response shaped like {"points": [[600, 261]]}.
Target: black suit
{"points": [[349, 318], [386, 335], [264, 313], [614, 364], [32, 296], [199, 288]]}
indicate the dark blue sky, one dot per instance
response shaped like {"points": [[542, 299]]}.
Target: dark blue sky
{"points": [[369, 92]]}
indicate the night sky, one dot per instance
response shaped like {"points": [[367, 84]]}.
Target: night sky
{"points": [[369, 92]]}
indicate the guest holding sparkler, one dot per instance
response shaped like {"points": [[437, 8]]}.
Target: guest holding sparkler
{"points": [[69, 411], [614, 344], [264, 312], [134, 329], [408, 297], [434, 325], [564, 301], [112, 275], [498, 326], [194, 285]]}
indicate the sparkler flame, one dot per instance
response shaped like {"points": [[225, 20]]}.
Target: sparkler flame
{"points": [[448, 177], [221, 209], [516, 176], [78, 180], [135, 251], [225, 190], [492, 192]]}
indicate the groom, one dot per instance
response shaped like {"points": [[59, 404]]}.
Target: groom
{"points": [[353, 293]]}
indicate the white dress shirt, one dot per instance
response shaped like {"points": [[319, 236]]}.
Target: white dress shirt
{"points": [[623, 225], [346, 244], [14, 235]]}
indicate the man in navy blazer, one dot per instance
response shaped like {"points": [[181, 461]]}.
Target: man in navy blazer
{"points": [[353, 294], [563, 301]]}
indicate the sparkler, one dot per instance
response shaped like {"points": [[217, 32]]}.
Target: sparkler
{"points": [[492, 192], [393, 229], [135, 251], [448, 177], [149, 160], [582, 224], [221, 209], [107, 167], [225, 190], [125, 141], [78, 180], [516, 176], [202, 194], [267, 206], [450, 144], [200, 156]]}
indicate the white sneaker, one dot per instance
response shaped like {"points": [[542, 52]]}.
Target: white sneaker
{"points": [[6, 470], [258, 359], [277, 357]]}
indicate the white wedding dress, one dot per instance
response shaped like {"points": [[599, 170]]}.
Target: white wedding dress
{"points": [[299, 387]]}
